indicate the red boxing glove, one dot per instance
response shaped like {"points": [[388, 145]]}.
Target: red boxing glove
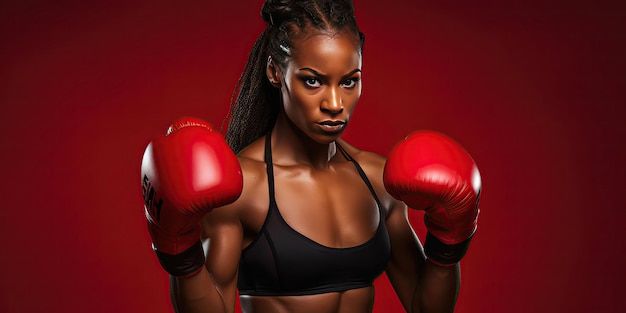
{"points": [[185, 174], [430, 171]]}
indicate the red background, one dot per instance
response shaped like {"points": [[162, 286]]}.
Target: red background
{"points": [[534, 90]]}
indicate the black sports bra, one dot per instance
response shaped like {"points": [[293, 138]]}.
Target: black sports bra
{"points": [[283, 262]]}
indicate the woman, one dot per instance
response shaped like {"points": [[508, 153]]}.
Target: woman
{"points": [[307, 224]]}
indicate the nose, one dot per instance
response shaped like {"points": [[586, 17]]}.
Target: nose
{"points": [[332, 103]]}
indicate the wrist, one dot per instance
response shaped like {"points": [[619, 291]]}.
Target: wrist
{"points": [[444, 254], [184, 264]]}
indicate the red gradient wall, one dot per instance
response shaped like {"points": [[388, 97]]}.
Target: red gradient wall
{"points": [[534, 90]]}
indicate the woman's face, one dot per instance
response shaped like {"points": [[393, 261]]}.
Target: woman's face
{"points": [[322, 84]]}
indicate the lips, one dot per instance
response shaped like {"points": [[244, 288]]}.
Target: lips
{"points": [[332, 126]]}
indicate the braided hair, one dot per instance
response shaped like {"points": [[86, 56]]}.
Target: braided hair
{"points": [[255, 103]]}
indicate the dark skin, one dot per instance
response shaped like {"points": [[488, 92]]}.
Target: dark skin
{"points": [[319, 193]]}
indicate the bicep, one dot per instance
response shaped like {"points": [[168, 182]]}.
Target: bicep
{"points": [[223, 243]]}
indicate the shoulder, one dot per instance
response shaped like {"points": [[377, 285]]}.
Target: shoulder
{"points": [[370, 162], [252, 162]]}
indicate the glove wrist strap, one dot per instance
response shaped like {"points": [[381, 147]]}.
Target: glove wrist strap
{"points": [[445, 254], [184, 264]]}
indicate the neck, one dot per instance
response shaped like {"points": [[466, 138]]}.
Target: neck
{"points": [[290, 146]]}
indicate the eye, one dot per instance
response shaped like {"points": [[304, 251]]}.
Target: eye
{"points": [[311, 82], [350, 83]]}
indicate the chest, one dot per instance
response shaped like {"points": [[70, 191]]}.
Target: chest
{"points": [[333, 208], [315, 238]]}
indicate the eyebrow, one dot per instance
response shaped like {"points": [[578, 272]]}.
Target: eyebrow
{"points": [[356, 70]]}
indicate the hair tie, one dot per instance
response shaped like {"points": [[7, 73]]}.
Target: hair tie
{"points": [[271, 20]]}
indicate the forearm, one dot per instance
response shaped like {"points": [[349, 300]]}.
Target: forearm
{"points": [[200, 294], [438, 289]]}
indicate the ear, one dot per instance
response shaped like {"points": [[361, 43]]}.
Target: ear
{"points": [[273, 73]]}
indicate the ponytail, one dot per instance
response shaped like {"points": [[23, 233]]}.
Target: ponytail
{"points": [[254, 103]]}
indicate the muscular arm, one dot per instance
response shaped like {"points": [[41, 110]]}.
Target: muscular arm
{"points": [[422, 286], [189, 175], [431, 172], [213, 289]]}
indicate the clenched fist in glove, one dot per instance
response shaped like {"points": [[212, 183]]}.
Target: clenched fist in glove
{"points": [[431, 172], [185, 174]]}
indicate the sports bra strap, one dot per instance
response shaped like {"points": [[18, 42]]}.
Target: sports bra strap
{"points": [[361, 173], [270, 169], [269, 164]]}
